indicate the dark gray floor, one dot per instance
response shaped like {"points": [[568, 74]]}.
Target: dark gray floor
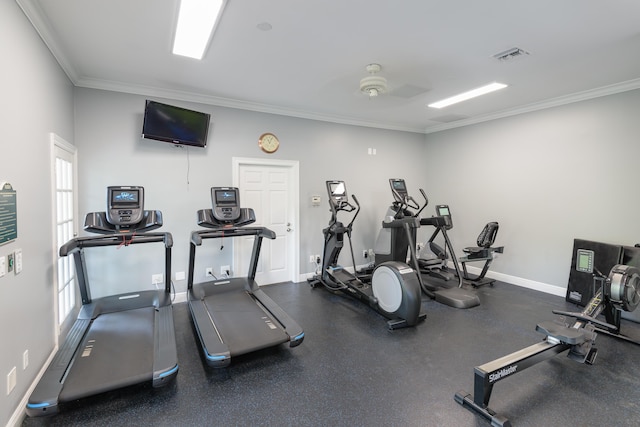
{"points": [[351, 371]]}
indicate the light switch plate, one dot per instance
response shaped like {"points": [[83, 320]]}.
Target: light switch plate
{"points": [[18, 261]]}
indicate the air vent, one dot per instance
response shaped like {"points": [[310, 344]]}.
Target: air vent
{"points": [[511, 54]]}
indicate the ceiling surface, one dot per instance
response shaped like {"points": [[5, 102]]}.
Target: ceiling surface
{"points": [[306, 58]]}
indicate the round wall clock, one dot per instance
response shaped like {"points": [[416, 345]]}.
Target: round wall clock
{"points": [[268, 142]]}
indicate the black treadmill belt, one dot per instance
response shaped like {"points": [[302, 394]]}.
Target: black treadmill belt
{"points": [[116, 352], [243, 325]]}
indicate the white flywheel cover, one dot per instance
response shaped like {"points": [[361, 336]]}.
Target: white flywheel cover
{"points": [[386, 288]]}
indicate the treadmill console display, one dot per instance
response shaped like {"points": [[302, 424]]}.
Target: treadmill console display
{"points": [[125, 205], [226, 203]]}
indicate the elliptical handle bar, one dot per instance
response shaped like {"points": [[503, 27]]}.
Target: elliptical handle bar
{"points": [[410, 202], [426, 202], [356, 207]]}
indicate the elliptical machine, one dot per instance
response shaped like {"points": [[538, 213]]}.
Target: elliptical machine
{"points": [[397, 241], [394, 290]]}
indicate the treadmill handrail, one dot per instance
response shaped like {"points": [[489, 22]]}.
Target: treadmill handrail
{"points": [[129, 238], [199, 235]]}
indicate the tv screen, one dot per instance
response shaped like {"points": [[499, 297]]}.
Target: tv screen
{"points": [[176, 125]]}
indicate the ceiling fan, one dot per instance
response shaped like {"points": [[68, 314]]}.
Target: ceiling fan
{"points": [[374, 85]]}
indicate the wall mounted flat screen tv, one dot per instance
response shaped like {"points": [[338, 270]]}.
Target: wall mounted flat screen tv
{"points": [[176, 125]]}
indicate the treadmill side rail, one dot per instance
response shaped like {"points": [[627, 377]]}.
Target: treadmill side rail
{"points": [[165, 362], [216, 352], [295, 332], [44, 399]]}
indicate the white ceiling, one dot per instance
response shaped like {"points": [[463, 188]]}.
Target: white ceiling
{"points": [[311, 61]]}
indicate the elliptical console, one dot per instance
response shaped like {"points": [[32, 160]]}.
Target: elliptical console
{"points": [[395, 288]]}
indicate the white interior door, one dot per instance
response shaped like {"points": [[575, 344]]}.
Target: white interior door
{"points": [[270, 189]]}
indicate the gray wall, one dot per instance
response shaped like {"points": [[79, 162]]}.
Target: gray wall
{"points": [[548, 177], [177, 180], [37, 98]]}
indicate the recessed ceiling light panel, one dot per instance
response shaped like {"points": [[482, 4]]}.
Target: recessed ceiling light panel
{"points": [[197, 20], [468, 95]]}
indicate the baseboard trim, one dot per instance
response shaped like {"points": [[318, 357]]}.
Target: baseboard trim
{"points": [[513, 280], [180, 297], [529, 284]]}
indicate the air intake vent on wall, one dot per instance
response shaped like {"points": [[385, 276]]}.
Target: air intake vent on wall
{"points": [[511, 54]]}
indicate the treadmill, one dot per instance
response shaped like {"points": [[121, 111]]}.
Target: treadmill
{"points": [[118, 340], [233, 316]]}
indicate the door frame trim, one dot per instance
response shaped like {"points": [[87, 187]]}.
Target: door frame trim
{"points": [[294, 169]]}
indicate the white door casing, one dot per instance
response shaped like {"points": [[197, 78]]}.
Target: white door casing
{"points": [[270, 188]]}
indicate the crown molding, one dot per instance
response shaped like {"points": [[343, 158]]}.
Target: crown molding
{"points": [[34, 13]]}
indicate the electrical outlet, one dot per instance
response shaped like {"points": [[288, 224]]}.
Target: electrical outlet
{"points": [[225, 270], [312, 259], [419, 247], [25, 359], [10, 262], [156, 279], [318, 259], [180, 275], [365, 253], [208, 272], [11, 380]]}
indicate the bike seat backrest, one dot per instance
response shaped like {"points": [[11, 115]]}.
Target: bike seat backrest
{"points": [[488, 235]]}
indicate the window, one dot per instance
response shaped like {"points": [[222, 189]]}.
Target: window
{"points": [[64, 200]]}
